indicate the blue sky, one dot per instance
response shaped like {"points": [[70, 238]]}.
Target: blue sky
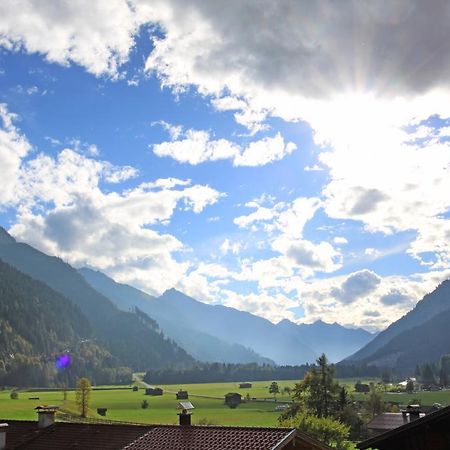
{"points": [[269, 158]]}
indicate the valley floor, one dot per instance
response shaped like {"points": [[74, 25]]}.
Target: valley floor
{"points": [[207, 398]]}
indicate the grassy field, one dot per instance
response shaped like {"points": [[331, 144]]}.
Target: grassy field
{"points": [[125, 405]]}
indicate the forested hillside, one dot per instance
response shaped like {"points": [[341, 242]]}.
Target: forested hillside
{"points": [[38, 325], [133, 338]]}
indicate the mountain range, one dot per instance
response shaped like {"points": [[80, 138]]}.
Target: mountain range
{"points": [[217, 332], [125, 318]]}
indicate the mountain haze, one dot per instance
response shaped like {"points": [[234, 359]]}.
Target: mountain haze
{"points": [[201, 346], [332, 339], [219, 333]]}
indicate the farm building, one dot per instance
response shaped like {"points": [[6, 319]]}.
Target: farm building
{"points": [[182, 395], [153, 391], [245, 385], [50, 434], [430, 432], [233, 398]]}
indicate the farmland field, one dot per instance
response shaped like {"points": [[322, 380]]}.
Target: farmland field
{"points": [[207, 398], [125, 405]]}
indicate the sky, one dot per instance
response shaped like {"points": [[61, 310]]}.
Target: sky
{"points": [[290, 159]]}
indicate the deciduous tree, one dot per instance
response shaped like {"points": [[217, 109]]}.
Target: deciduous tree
{"points": [[83, 395]]}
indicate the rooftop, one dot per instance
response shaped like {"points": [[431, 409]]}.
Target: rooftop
{"points": [[213, 438]]}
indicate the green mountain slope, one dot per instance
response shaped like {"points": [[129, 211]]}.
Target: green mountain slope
{"points": [[418, 345], [38, 325], [133, 338]]}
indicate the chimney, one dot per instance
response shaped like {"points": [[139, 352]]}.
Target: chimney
{"points": [[3, 431], [185, 414], [411, 413], [414, 412], [46, 415], [185, 418]]}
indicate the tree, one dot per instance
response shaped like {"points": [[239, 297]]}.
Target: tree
{"points": [[318, 390], [274, 389], [409, 386], [444, 371], [428, 375], [287, 390], [386, 376], [325, 429], [144, 404], [374, 402], [83, 395]]}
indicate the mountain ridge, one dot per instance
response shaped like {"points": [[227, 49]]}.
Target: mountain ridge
{"points": [[428, 307], [174, 308]]}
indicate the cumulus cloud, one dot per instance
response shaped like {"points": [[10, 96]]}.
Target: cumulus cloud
{"points": [[394, 297], [356, 286], [97, 35], [196, 147], [62, 209]]}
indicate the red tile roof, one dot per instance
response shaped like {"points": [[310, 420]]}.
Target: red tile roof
{"points": [[67, 436], [25, 435], [168, 437]]}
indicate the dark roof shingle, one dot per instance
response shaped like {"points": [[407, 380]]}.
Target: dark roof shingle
{"points": [[212, 438]]}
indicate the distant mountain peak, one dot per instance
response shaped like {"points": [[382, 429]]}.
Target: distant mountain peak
{"points": [[5, 237]]}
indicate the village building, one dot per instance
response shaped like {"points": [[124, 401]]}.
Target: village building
{"points": [[233, 398], [153, 391], [388, 421], [49, 434], [182, 395], [245, 385], [428, 432]]}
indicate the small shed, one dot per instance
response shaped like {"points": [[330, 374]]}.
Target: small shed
{"points": [[182, 395], [233, 398], [102, 411], [153, 391], [245, 385]]}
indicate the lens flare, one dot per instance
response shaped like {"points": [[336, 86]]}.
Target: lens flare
{"points": [[62, 361]]}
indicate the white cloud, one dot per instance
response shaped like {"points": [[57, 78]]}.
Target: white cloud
{"points": [[196, 147], [261, 214], [14, 147], [359, 292], [357, 285], [273, 307], [315, 257], [62, 209], [229, 246], [95, 34], [340, 240]]}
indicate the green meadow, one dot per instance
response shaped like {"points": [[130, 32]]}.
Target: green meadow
{"points": [[125, 404], [207, 398]]}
